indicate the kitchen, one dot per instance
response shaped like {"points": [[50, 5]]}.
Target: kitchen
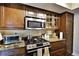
{"points": [[30, 30]]}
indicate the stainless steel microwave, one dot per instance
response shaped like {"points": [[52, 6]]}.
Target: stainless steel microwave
{"points": [[10, 39], [34, 23]]}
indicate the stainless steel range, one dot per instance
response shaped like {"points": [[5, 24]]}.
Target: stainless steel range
{"points": [[36, 46]]}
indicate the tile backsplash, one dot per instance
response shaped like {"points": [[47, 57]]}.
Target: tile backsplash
{"points": [[23, 33]]}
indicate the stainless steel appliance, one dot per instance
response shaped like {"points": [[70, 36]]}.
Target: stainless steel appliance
{"points": [[37, 43], [7, 39], [34, 23]]}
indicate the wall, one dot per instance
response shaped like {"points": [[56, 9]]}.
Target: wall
{"points": [[76, 33], [50, 6], [23, 33]]}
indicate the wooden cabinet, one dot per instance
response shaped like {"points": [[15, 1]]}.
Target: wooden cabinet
{"points": [[13, 52], [58, 48], [67, 27], [59, 52], [21, 51], [13, 16], [1, 14]]}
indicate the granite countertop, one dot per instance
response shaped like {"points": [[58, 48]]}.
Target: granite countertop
{"points": [[55, 39], [12, 46]]}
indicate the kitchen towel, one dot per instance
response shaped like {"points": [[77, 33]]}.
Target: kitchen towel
{"points": [[61, 35], [39, 52], [46, 51]]}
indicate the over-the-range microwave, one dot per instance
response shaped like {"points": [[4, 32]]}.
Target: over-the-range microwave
{"points": [[34, 23]]}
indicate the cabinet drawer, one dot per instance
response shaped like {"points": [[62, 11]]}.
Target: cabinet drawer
{"points": [[60, 52], [57, 45]]}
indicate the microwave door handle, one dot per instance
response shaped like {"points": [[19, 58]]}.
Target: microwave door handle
{"points": [[42, 25], [25, 23]]}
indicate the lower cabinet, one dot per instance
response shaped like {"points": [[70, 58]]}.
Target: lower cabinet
{"points": [[58, 48], [13, 52], [59, 52]]}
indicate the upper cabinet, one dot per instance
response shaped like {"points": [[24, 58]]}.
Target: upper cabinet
{"points": [[1, 14], [12, 16]]}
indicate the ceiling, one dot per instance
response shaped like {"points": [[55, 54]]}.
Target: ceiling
{"points": [[71, 6], [56, 7]]}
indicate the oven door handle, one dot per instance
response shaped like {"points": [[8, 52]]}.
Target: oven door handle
{"points": [[31, 51]]}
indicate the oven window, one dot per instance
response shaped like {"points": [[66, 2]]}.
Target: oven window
{"points": [[34, 24]]}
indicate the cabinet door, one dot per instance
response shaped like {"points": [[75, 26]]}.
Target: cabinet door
{"points": [[59, 52], [63, 24], [13, 16], [58, 45], [21, 51], [67, 27], [69, 32], [1, 14]]}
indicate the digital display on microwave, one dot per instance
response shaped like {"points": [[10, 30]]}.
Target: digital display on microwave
{"points": [[34, 24]]}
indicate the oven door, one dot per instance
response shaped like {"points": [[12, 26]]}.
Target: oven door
{"points": [[31, 52], [31, 23]]}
